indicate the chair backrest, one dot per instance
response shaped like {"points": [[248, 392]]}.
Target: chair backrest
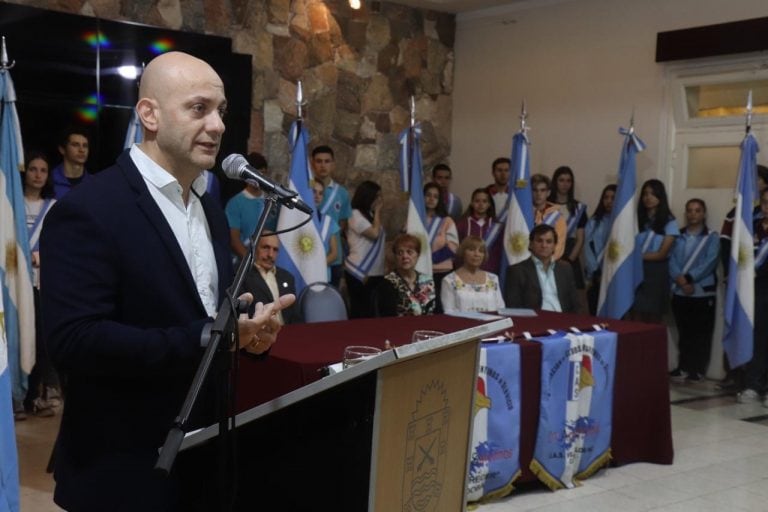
{"points": [[321, 302]]}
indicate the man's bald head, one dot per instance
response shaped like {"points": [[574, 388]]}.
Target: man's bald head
{"points": [[181, 107]]}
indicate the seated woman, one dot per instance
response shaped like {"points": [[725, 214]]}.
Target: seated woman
{"points": [[470, 288], [406, 292]]}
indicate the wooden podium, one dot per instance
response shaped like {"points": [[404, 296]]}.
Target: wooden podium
{"points": [[390, 434]]}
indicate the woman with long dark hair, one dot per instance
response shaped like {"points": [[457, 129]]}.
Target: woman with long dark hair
{"points": [[596, 236], [693, 268], [657, 232], [575, 213], [364, 266], [480, 220], [443, 237]]}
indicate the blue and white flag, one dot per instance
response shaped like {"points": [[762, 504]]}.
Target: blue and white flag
{"points": [[519, 208], [9, 463], [15, 256], [302, 251], [622, 261], [134, 133], [495, 458], [575, 416], [410, 182], [739, 311]]}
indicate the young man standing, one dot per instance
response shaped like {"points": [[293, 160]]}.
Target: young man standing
{"points": [[498, 189], [442, 175], [548, 213], [336, 202], [73, 148]]}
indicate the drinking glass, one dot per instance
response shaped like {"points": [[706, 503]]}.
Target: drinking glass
{"points": [[356, 354], [422, 335]]}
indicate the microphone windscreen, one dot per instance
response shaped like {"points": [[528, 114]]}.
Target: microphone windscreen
{"points": [[232, 166]]}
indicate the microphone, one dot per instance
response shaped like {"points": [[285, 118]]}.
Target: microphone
{"points": [[237, 167]]}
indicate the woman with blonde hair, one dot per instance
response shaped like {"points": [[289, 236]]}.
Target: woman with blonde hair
{"points": [[470, 288]]}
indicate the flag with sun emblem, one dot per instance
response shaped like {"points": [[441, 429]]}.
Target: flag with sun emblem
{"points": [[301, 250], [494, 461], [410, 183], [740, 287], [519, 209], [622, 261], [575, 416]]}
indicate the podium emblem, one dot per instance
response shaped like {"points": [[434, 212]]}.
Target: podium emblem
{"points": [[426, 450]]}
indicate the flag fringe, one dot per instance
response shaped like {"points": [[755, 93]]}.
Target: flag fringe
{"points": [[598, 463], [502, 491], [545, 477]]}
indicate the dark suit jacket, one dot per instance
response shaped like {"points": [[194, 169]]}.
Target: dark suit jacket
{"points": [[123, 321], [255, 284], [522, 288]]}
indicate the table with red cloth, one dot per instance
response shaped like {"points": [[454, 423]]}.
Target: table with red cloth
{"points": [[642, 429]]}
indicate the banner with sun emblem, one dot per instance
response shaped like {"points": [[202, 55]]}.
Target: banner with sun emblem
{"points": [[575, 416], [494, 462], [302, 252]]}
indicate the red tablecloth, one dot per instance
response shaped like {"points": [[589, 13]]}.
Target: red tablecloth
{"points": [[641, 416]]}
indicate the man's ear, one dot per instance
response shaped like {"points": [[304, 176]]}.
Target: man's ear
{"points": [[147, 110]]}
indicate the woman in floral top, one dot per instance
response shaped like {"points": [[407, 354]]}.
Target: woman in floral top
{"points": [[406, 292], [470, 288]]}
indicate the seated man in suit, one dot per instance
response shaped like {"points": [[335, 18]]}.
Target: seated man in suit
{"points": [[267, 282], [540, 282]]}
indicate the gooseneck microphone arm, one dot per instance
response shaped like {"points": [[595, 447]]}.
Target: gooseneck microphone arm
{"points": [[236, 167]]}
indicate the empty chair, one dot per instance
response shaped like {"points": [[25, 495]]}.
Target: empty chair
{"points": [[321, 302]]}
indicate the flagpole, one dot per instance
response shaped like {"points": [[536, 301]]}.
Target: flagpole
{"points": [[299, 112], [5, 65], [748, 127]]}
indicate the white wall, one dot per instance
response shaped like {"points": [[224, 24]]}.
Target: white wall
{"points": [[581, 66]]}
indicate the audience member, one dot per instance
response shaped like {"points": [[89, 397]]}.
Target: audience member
{"points": [[470, 288], [541, 282], [442, 175], [73, 147], [575, 215], [329, 228], [498, 189], [548, 213], [443, 237], [136, 264], [267, 282], [42, 389], [596, 237], [364, 266], [756, 372], [657, 232], [405, 291], [336, 202], [693, 269], [480, 220]]}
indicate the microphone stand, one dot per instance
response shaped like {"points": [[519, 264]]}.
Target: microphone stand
{"points": [[224, 332]]}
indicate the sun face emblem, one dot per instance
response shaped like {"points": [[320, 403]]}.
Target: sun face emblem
{"points": [[518, 243], [744, 255], [306, 243], [613, 253]]}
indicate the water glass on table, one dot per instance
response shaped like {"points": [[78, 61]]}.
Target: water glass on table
{"points": [[356, 354]]}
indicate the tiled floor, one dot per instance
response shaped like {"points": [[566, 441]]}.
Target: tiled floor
{"points": [[721, 463]]}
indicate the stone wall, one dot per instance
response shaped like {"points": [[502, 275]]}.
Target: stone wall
{"points": [[358, 70]]}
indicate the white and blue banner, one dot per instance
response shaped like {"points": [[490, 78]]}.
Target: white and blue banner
{"points": [[302, 250], [133, 134], [15, 255], [575, 416], [739, 314], [495, 458], [9, 463], [410, 183], [622, 260]]}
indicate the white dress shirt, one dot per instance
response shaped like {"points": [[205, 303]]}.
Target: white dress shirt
{"points": [[188, 223]]}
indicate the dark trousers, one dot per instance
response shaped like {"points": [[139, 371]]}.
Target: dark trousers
{"points": [[42, 373], [755, 376], [695, 319], [361, 295], [438, 278]]}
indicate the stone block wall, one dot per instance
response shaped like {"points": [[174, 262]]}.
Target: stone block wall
{"points": [[358, 70]]}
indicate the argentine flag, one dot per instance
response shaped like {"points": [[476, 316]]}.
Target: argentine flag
{"points": [[134, 133], [740, 288], [302, 252], [15, 256], [9, 463], [622, 261], [410, 182], [519, 209]]}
